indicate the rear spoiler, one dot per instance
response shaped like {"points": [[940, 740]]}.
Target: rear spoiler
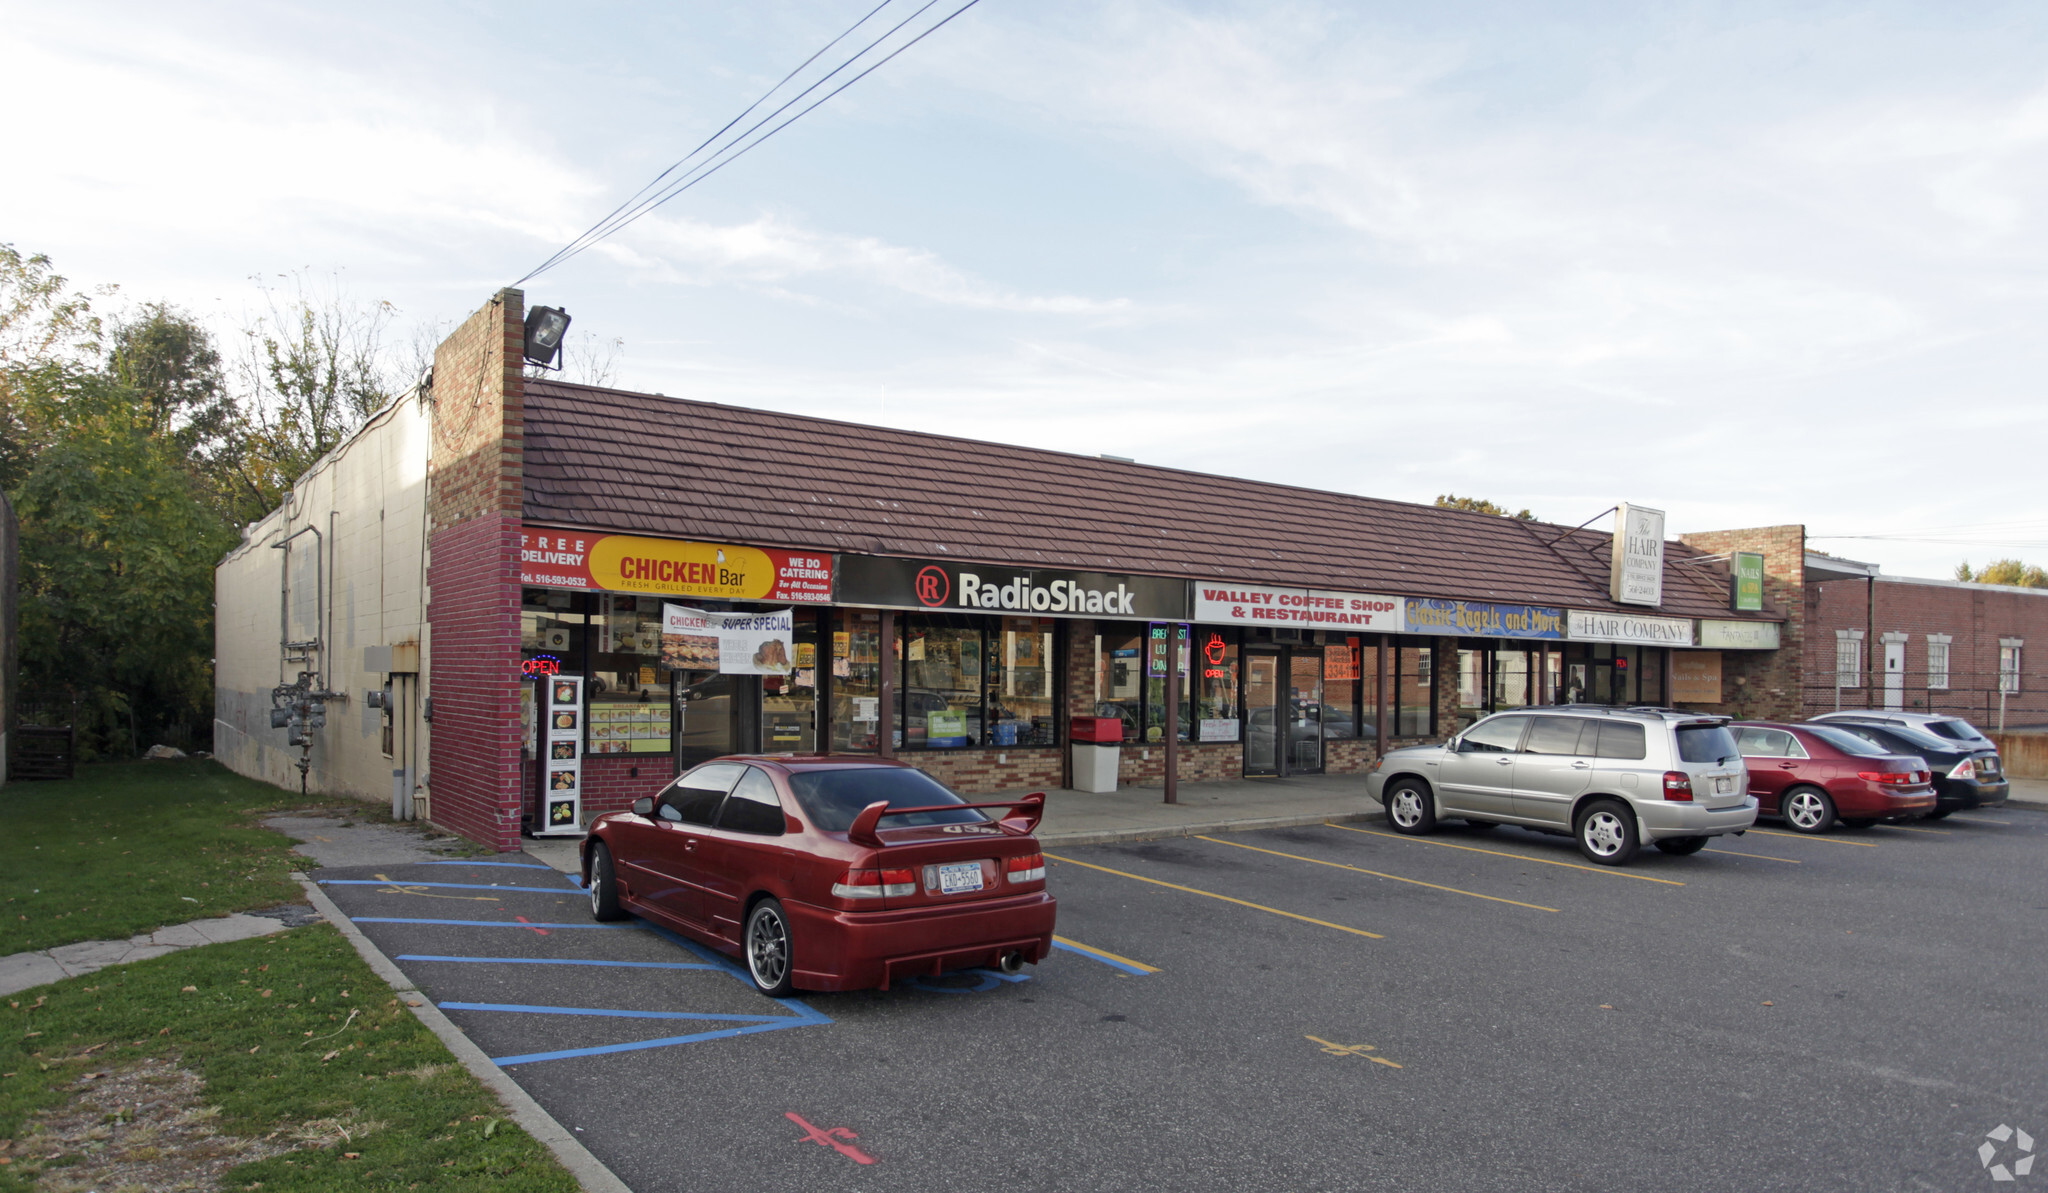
{"points": [[1024, 817]]}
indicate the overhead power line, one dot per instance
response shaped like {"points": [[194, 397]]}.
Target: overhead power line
{"points": [[640, 204]]}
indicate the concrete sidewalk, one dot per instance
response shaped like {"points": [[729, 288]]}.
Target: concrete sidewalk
{"points": [[2027, 793]]}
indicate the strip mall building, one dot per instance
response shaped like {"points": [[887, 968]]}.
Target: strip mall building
{"points": [[479, 595]]}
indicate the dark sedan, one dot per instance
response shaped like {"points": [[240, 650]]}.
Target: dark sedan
{"points": [[1811, 775], [1965, 775], [823, 872]]}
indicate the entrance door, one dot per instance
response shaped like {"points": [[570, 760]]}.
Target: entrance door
{"points": [[1263, 714], [1305, 712], [1895, 675], [714, 715]]}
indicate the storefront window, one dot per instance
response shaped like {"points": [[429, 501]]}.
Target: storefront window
{"points": [[1342, 658], [1155, 684], [942, 657], [1414, 687], [856, 679], [1471, 686], [1119, 672], [1513, 673], [1369, 687], [1020, 690], [626, 687], [789, 704], [1217, 715]]}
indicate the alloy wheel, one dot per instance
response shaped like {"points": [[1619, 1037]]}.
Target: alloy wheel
{"points": [[1407, 807], [1603, 833], [767, 947], [1805, 811]]}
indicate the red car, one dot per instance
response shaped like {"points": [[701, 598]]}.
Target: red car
{"points": [[824, 872], [1811, 775]]}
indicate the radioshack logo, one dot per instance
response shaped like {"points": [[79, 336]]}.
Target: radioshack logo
{"points": [[932, 587], [1992, 1154]]}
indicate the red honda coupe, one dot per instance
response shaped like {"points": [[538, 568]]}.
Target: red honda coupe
{"points": [[1812, 775], [823, 872]]}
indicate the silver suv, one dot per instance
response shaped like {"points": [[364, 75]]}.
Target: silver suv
{"points": [[1611, 777]]}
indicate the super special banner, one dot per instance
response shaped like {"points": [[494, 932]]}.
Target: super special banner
{"points": [[728, 643], [672, 567]]}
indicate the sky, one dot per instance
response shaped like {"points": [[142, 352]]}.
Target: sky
{"points": [[1748, 263]]}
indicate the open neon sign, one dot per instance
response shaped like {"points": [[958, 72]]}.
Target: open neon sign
{"points": [[540, 664]]}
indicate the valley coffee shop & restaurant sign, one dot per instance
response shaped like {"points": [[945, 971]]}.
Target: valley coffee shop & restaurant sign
{"points": [[1248, 604], [580, 561]]}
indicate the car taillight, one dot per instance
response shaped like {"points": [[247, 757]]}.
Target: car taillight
{"points": [[1888, 776], [1026, 867], [1966, 769], [1677, 785], [876, 884]]}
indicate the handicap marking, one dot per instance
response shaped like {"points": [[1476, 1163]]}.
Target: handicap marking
{"points": [[1352, 1050], [1138, 968], [839, 1139]]}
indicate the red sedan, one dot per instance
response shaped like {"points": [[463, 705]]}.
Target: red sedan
{"points": [[1811, 775], [823, 872]]}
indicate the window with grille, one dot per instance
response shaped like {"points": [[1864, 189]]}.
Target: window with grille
{"points": [[2009, 667], [1937, 660], [1848, 658]]}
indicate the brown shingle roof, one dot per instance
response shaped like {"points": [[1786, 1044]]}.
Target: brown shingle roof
{"points": [[647, 464]]}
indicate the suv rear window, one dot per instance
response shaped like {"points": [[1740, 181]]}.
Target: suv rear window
{"points": [[1958, 730], [832, 798], [1621, 739], [1706, 743]]}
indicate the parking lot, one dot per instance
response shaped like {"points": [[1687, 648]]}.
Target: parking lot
{"points": [[1326, 1007]]}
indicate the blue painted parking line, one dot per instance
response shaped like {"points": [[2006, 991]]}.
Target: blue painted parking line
{"points": [[553, 961], [664, 1042], [459, 886], [604, 1012], [507, 865], [391, 919]]}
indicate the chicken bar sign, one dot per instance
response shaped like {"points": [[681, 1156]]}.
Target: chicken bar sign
{"points": [[879, 582], [670, 567]]}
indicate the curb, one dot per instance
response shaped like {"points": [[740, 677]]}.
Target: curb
{"points": [[1237, 825], [588, 1170]]}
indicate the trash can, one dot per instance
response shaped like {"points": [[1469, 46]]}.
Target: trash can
{"points": [[1098, 749]]}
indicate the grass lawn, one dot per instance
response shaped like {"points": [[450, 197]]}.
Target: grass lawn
{"points": [[314, 1078], [130, 847]]}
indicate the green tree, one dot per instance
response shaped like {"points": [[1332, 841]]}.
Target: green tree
{"points": [[2004, 571], [1479, 505]]}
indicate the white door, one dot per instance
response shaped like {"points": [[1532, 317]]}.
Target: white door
{"points": [[1894, 675]]}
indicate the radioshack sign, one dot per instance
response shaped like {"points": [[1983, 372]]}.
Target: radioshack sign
{"points": [[878, 582], [1244, 604]]}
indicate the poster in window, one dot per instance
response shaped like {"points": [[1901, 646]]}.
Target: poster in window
{"points": [[1340, 662], [561, 793], [729, 643]]}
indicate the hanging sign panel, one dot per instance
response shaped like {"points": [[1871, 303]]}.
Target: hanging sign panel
{"points": [[1636, 569], [671, 567], [728, 643], [1746, 588], [561, 764], [1249, 604]]}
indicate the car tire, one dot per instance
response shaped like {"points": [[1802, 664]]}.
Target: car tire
{"points": [[1411, 809], [1683, 846], [1480, 824], [1859, 822], [1807, 810], [1938, 814], [604, 885], [766, 944], [1606, 832]]}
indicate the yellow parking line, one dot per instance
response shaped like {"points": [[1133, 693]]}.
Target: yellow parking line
{"points": [[1213, 895], [1765, 856], [1376, 874], [1810, 837], [1981, 820], [1520, 857], [1092, 951], [1933, 832]]}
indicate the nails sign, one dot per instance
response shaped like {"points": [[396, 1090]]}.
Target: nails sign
{"points": [[839, 1139], [1352, 1050]]}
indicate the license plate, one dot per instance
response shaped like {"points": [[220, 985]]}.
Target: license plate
{"points": [[958, 877], [1724, 786]]}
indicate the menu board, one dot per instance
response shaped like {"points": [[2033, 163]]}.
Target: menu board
{"points": [[629, 728], [561, 764]]}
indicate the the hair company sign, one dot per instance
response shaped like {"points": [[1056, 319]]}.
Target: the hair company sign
{"points": [[1636, 572], [879, 582], [1589, 626]]}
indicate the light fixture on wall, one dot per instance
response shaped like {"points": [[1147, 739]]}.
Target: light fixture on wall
{"points": [[545, 327]]}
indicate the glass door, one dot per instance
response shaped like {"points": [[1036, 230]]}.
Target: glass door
{"points": [[1305, 712], [1262, 713], [714, 715]]}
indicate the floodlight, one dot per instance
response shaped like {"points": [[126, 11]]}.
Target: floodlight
{"points": [[545, 327]]}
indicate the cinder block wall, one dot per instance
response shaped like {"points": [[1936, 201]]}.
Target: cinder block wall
{"points": [[473, 574]]}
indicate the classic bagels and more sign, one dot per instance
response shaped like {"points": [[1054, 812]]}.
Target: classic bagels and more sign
{"points": [[1248, 604], [672, 567], [880, 582]]}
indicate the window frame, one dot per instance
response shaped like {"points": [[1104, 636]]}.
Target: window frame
{"points": [[1938, 647], [2009, 662]]}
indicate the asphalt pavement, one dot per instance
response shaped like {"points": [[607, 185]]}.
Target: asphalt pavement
{"points": [[1309, 1008]]}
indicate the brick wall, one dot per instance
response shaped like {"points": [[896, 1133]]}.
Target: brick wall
{"points": [[1973, 616], [609, 784], [473, 506], [1767, 685], [977, 772]]}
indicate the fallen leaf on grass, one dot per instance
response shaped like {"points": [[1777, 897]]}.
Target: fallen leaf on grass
{"points": [[188, 989], [253, 1051], [351, 1155], [188, 898], [490, 1128], [330, 1056]]}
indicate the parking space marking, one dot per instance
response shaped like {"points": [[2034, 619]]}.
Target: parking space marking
{"points": [[554, 961], [1520, 857], [1104, 956], [1981, 820], [507, 865], [380, 880], [392, 919], [762, 1024], [599, 1012], [1213, 895], [1358, 1050], [1810, 837], [1377, 874], [1932, 832], [1761, 856]]}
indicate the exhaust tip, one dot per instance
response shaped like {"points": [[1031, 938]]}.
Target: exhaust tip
{"points": [[1011, 962]]}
